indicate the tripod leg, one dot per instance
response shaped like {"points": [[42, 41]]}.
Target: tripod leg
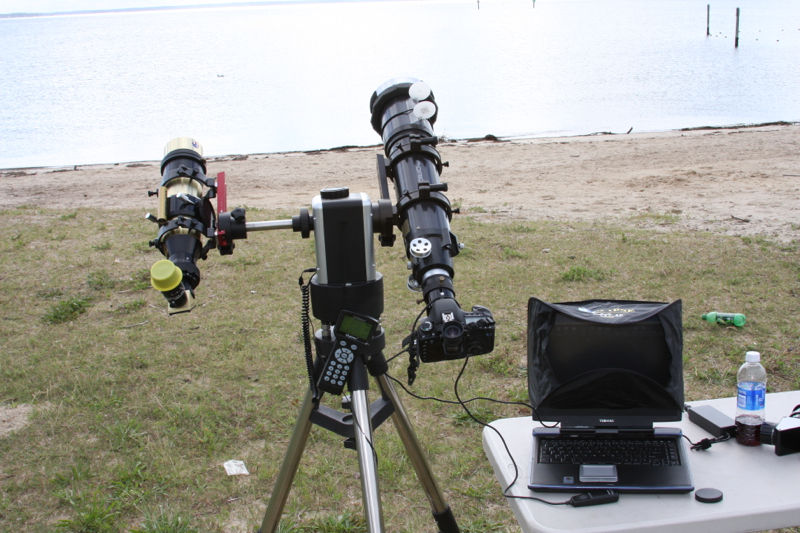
{"points": [[441, 511], [294, 452], [362, 425]]}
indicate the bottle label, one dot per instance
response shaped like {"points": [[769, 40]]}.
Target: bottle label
{"points": [[751, 396]]}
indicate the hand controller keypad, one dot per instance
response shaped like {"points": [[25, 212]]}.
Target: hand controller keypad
{"points": [[337, 367]]}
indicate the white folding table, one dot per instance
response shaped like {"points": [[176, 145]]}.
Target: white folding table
{"points": [[761, 491]]}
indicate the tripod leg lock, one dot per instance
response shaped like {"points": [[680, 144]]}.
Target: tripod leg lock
{"points": [[446, 521]]}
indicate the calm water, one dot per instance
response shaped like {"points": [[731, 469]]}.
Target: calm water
{"points": [[116, 87]]}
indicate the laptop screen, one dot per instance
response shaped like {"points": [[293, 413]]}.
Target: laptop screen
{"points": [[591, 373]]}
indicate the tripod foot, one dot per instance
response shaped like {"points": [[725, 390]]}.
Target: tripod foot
{"points": [[446, 521]]}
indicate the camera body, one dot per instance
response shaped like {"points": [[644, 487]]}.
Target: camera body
{"points": [[450, 333], [785, 435]]}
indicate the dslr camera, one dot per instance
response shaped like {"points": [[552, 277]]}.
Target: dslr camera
{"points": [[450, 333]]}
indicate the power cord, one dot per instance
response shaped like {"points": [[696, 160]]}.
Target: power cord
{"points": [[361, 429], [580, 500], [706, 443], [452, 402], [414, 364], [503, 440]]}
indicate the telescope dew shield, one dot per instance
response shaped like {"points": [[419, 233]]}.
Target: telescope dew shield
{"points": [[182, 151]]}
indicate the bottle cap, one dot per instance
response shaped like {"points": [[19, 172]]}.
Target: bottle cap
{"points": [[752, 357]]}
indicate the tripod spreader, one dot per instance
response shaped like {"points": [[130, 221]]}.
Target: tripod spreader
{"points": [[342, 423]]}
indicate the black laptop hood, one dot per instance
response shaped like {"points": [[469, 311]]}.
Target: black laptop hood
{"points": [[605, 362]]}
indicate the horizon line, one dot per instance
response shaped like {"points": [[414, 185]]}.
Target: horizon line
{"points": [[170, 8]]}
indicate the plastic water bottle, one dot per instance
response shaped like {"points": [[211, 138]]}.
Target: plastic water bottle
{"points": [[752, 380], [735, 319]]}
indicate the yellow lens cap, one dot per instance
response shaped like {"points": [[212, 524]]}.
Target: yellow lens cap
{"points": [[165, 276]]}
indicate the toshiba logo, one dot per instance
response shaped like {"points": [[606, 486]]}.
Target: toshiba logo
{"points": [[607, 420]]}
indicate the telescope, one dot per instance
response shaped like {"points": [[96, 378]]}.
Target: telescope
{"points": [[403, 112], [345, 290], [186, 223]]}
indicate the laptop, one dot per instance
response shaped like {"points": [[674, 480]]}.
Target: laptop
{"points": [[607, 372]]}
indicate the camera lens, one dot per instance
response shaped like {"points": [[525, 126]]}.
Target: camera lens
{"points": [[767, 433]]}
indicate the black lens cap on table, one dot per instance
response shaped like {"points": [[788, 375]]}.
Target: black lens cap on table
{"points": [[708, 495]]}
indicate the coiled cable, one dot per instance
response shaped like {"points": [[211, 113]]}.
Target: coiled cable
{"points": [[305, 319]]}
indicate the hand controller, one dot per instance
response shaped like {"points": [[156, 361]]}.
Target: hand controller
{"points": [[352, 334]]}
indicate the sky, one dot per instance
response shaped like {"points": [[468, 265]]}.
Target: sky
{"points": [[59, 6]]}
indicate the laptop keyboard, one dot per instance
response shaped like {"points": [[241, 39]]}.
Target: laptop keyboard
{"points": [[582, 451]]}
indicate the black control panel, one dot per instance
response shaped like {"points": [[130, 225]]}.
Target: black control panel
{"points": [[352, 335]]}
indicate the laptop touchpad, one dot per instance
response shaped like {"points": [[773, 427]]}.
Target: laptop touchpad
{"points": [[598, 474]]}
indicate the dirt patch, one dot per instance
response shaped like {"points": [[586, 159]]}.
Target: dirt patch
{"points": [[14, 418]]}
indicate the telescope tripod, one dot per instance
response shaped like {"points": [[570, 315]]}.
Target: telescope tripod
{"points": [[357, 427]]}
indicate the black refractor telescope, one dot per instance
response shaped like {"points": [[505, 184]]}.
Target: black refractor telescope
{"points": [[403, 113], [345, 290]]}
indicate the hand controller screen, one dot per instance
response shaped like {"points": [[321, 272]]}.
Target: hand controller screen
{"points": [[351, 334], [357, 328]]}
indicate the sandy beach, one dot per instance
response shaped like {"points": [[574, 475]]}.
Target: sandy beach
{"points": [[735, 181]]}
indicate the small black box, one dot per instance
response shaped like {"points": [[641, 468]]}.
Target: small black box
{"points": [[712, 420]]}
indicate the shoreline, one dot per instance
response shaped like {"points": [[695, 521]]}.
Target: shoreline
{"points": [[486, 138], [742, 181]]}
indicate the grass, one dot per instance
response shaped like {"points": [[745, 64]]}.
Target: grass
{"points": [[152, 405], [581, 273], [66, 310]]}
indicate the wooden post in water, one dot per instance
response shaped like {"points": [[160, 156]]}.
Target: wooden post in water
{"points": [[708, 20], [736, 40]]}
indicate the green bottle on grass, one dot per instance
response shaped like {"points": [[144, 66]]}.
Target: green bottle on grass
{"points": [[729, 319]]}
